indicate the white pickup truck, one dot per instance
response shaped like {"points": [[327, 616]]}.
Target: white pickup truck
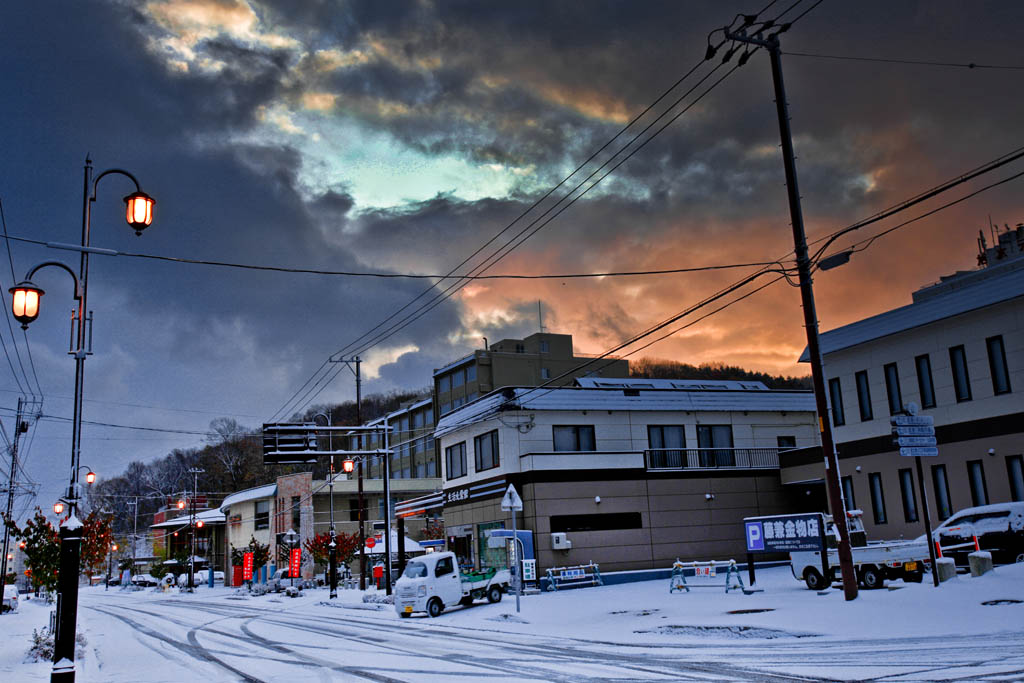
{"points": [[432, 582], [874, 562]]}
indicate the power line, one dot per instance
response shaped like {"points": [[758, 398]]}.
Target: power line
{"points": [[916, 62], [7, 317]]}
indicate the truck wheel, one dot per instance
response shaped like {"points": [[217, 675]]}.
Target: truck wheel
{"points": [[494, 594], [434, 608], [466, 601], [914, 577], [1020, 557], [871, 577], [813, 578], [404, 615]]}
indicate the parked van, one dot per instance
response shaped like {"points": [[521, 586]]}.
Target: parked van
{"points": [[999, 529], [10, 603]]}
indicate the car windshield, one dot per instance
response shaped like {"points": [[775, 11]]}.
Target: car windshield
{"points": [[415, 570]]}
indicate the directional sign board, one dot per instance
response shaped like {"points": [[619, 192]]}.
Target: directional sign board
{"points": [[511, 500], [919, 451], [288, 442], [917, 420]]}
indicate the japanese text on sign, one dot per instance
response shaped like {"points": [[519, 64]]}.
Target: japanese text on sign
{"points": [[247, 567], [784, 533]]}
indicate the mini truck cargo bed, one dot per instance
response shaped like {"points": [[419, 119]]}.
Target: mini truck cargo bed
{"points": [[433, 582]]}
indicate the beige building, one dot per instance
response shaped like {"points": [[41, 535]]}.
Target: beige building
{"points": [[517, 362], [630, 474], [957, 352]]}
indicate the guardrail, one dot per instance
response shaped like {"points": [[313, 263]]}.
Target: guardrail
{"points": [[711, 458]]}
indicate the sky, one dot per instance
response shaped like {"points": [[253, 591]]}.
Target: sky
{"points": [[402, 137]]}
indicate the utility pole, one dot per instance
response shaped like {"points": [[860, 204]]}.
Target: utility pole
{"points": [[20, 428], [195, 472], [135, 534], [387, 506], [349, 363], [771, 43]]}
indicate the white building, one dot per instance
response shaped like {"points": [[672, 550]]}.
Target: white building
{"points": [[634, 473]]}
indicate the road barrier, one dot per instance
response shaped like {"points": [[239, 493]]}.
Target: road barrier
{"points": [[702, 570], [578, 576], [969, 544]]}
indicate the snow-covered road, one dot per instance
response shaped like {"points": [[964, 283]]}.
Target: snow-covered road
{"points": [[615, 633]]}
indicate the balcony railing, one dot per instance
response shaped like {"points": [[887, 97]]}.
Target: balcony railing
{"points": [[710, 458]]}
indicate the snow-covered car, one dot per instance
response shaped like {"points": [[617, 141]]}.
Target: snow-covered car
{"points": [[999, 529], [10, 603], [144, 580], [202, 577], [281, 580]]}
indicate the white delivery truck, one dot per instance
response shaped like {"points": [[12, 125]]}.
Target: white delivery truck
{"points": [[432, 582], [874, 562]]}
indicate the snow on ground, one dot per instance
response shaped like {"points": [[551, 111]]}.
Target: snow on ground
{"points": [[142, 635]]}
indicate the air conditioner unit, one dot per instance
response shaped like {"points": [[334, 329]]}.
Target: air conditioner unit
{"points": [[560, 542]]}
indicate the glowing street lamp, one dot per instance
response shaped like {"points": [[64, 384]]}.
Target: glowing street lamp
{"points": [[58, 508], [25, 307], [348, 466]]}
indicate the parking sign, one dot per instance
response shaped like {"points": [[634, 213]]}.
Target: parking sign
{"points": [[755, 536]]}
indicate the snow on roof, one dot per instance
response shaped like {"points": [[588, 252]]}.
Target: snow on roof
{"points": [[687, 384], [265, 491], [924, 311], [211, 516], [578, 398]]}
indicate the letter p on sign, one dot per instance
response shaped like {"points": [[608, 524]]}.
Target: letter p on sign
{"points": [[755, 537]]}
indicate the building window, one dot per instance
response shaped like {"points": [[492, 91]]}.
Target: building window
{"points": [[877, 497], [785, 443], [851, 502], [520, 348], [446, 407], [261, 520], [961, 380], [574, 438], [444, 384], [455, 461], [892, 389], [941, 485], [864, 396], [976, 478], [471, 373], [296, 514], [458, 378], [715, 442], [924, 381], [1015, 473], [909, 499], [664, 440], [835, 393], [545, 373], [485, 451], [544, 346], [997, 365]]}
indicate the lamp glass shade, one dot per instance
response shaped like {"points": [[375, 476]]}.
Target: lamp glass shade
{"points": [[58, 508], [199, 523], [25, 302], [139, 210], [348, 466], [181, 505], [90, 477]]}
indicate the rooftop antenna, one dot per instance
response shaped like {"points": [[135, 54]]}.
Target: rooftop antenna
{"points": [[540, 316]]}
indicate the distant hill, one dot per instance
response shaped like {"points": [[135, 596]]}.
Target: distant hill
{"points": [[658, 368]]}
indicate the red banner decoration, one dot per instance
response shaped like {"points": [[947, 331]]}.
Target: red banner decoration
{"points": [[295, 562], [247, 567]]}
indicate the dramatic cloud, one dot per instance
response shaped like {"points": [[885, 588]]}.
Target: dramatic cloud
{"points": [[404, 136]]}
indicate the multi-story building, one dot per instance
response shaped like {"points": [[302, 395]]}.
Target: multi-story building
{"points": [[957, 352], [532, 361], [630, 474]]}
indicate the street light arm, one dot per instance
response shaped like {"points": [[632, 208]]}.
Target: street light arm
{"points": [[39, 266], [113, 171]]}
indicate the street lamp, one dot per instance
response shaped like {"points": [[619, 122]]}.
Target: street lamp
{"points": [[25, 304], [110, 563], [291, 539], [332, 562]]}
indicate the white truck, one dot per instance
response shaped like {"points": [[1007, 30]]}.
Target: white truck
{"points": [[432, 582], [874, 562]]}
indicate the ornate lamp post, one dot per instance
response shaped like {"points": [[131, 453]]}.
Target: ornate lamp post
{"points": [[26, 297]]}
